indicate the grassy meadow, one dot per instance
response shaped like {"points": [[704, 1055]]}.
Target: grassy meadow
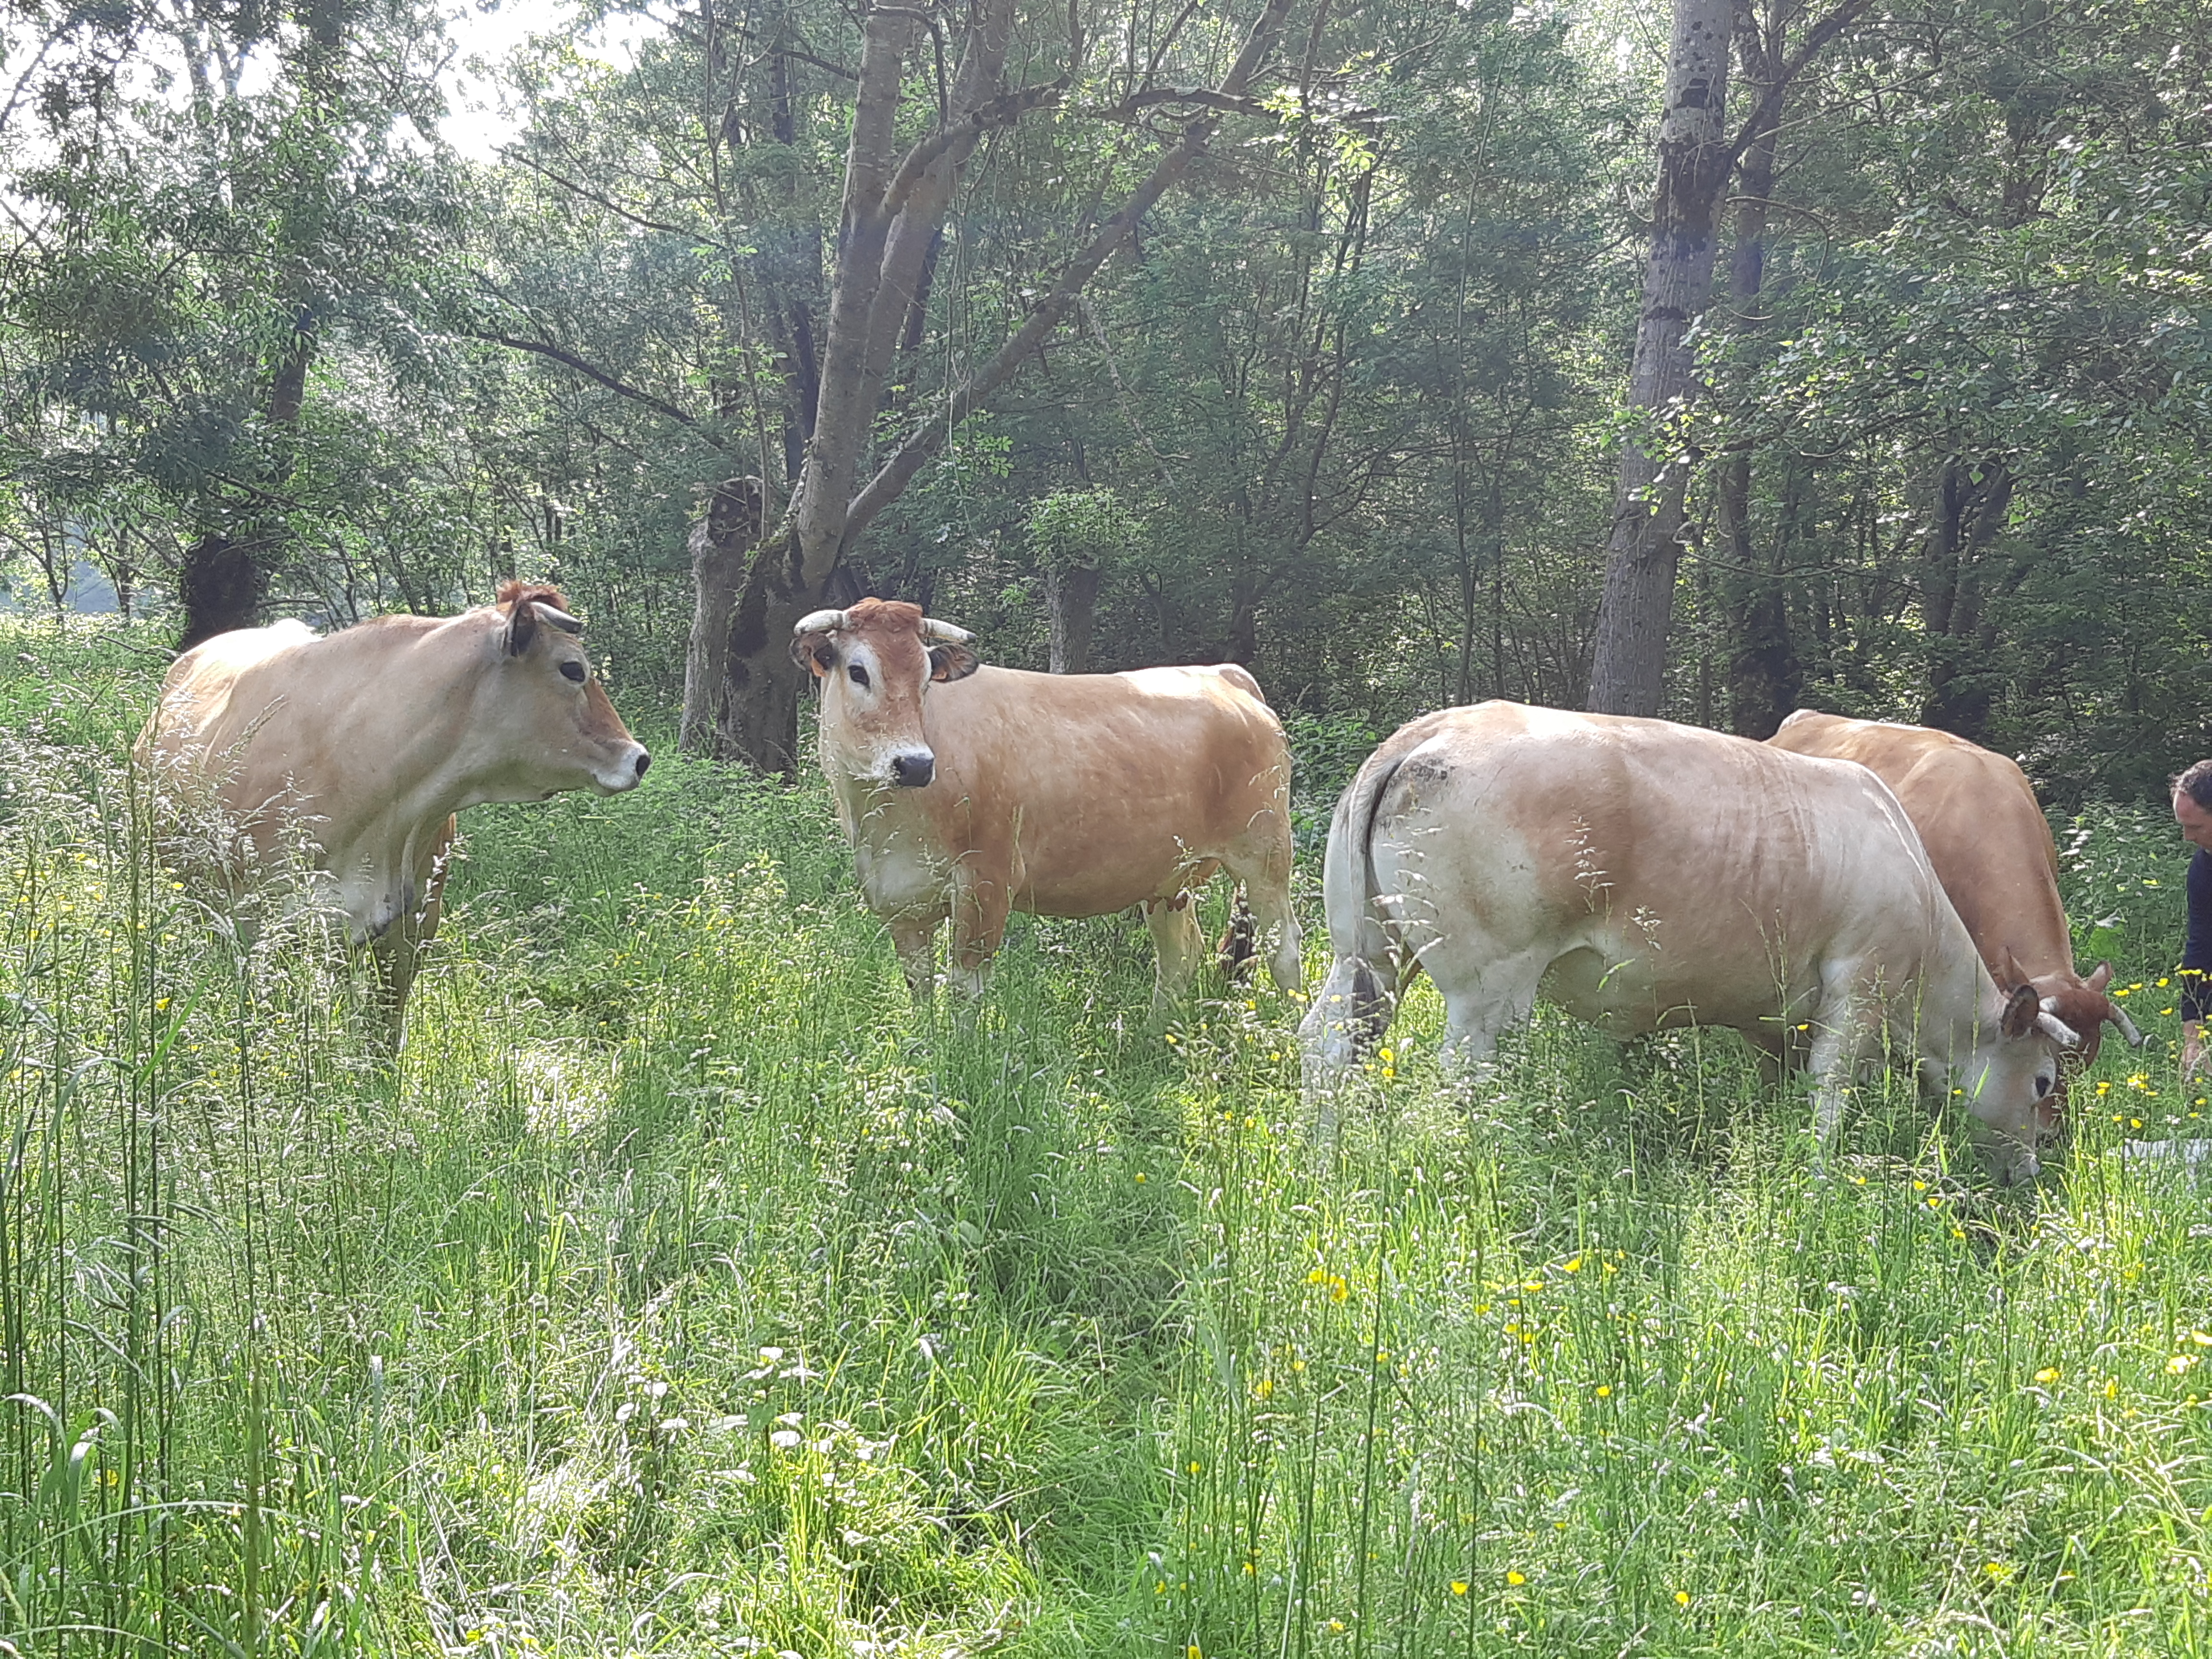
{"points": [[680, 1291]]}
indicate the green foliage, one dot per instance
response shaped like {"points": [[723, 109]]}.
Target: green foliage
{"points": [[1980, 389], [1082, 527], [188, 251]]}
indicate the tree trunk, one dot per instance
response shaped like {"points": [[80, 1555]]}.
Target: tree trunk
{"points": [[719, 543], [882, 245], [220, 584], [1764, 678], [1071, 598], [1628, 659], [892, 211], [224, 574], [760, 708], [1971, 505], [1244, 618]]}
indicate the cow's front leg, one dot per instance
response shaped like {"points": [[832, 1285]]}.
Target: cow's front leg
{"points": [[399, 954], [1840, 1030], [979, 922], [914, 938], [1178, 944]]}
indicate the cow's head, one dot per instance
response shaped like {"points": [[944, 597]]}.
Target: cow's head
{"points": [[2012, 1083], [2086, 1006], [546, 723], [873, 663]]}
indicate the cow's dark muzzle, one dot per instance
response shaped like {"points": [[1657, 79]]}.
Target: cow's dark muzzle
{"points": [[913, 771], [644, 759]]}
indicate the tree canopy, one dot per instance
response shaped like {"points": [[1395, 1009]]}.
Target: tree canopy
{"points": [[1288, 332]]}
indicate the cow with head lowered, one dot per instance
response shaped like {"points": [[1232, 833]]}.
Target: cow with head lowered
{"points": [[1646, 874], [359, 747], [1990, 847], [969, 792]]}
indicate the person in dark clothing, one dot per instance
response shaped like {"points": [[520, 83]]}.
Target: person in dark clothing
{"points": [[2192, 811]]}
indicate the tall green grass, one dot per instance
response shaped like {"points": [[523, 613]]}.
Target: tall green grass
{"points": [[680, 1291]]}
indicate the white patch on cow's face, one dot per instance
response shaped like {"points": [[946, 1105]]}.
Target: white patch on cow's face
{"points": [[872, 726], [2011, 1086]]}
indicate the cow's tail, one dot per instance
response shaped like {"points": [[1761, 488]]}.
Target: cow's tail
{"points": [[1355, 926], [1355, 1004]]}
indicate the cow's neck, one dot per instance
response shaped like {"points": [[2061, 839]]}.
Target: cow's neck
{"points": [[896, 858]]}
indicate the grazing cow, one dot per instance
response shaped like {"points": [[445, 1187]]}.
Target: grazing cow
{"points": [[969, 792], [364, 743], [1991, 846], [1647, 874]]}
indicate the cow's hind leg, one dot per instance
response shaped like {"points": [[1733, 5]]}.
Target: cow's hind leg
{"points": [[1482, 1003]]}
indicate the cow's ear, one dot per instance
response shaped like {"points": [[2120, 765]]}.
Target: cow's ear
{"points": [[952, 662], [521, 627], [2099, 977], [2009, 971], [2021, 1008], [814, 652]]}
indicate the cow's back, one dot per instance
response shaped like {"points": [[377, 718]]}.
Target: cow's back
{"points": [[202, 686], [1093, 791], [281, 717], [1976, 815], [1668, 872]]}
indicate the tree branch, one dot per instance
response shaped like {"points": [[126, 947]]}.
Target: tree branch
{"points": [[591, 371], [1769, 106], [906, 459], [1001, 112], [511, 153], [956, 137], [1203, 97]]}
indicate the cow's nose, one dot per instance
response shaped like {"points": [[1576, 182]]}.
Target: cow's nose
{"points": [[644, 759], [913, 771]]}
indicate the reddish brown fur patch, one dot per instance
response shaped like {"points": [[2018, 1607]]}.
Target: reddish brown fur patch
{"points": [[2083, 1009], [512, 593], [873, 616]]}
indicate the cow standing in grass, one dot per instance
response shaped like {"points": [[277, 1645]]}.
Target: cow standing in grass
{"points": [[969, 792], [364, 743], [1990, 846], [1646, 874]]}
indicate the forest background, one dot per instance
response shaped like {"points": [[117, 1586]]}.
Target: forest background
{"points": [[1298, 334]]}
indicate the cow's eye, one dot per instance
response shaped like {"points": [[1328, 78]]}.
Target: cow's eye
{"points": [[859, 675], [572, 670]]}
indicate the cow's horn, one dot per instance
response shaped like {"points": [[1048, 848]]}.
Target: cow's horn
{"points": [[2118, 1016], [2057, 1029], [943, 632], [818, 621], [559, 618]]}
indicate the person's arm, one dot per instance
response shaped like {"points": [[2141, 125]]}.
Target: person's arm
{"points": [[2196, 963]]}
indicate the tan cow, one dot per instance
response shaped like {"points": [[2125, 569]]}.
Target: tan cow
{"points": [[1991, 846], [1646, 874], [969, 791], [364, 743]]}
